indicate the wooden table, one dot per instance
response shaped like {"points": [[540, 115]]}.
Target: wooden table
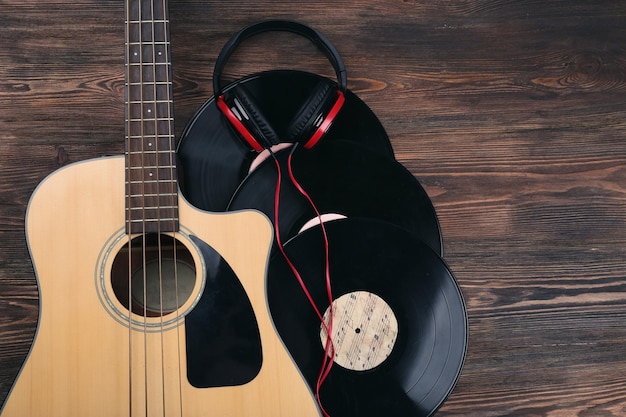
{"points": [[511, 114]]}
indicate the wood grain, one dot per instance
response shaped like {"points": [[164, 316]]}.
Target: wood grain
{"points": [[510, 113]]}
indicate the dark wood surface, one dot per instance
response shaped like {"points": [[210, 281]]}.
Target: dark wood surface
{"points": [[510, 113]]}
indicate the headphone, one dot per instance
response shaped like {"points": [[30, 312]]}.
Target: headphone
{"points": [[314, 117]]}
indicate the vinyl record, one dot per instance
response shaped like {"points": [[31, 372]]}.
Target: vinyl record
{"points": [[341, 178], [213, 159], [395, 300]]}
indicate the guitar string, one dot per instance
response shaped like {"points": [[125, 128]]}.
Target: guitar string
{"points": [[153, 105], [133, 192], [174, 185], [164, 25], [155, 178], [143, 194], [128, 202]]}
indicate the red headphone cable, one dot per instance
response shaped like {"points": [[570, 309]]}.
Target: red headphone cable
{"points": [[329, 351]]}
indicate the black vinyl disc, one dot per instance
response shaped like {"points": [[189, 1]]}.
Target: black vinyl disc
{"points": [[341, 178], [213, 159], [423, 360]]}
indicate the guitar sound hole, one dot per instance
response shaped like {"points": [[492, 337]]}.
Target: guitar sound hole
{"points": [[153, 274]]}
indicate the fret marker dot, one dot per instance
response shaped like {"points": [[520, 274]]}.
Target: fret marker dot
{"points": [[150, 174], [150, 144]]}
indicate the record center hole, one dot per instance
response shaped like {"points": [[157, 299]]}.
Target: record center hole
{"points": [[365, 330]]}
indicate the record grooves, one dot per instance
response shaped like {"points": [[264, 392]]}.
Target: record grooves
{"points": [[346, 179], [382, 259]]}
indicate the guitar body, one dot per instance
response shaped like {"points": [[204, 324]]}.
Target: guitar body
{"points": [[90, 357]]}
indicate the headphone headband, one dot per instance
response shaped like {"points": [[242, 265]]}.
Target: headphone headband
{"points": [[314, 36]]}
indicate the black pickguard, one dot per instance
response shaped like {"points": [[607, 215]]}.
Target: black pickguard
{"points": [[222, 335]]}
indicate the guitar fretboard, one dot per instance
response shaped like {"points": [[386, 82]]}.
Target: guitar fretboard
{"points": [[151, 187]]}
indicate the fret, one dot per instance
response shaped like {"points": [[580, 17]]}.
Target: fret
{"points": [[143, 21], [139, 43], [152, 102], [170, 167], [145, 86], [160, 195], [154, 208], [149, 182], [148, 65], [167, 119], [137, 137], [152, 173], [154, 71], [153, 221], [154, 215], [143, 153], [148, 83], [142, 117]]}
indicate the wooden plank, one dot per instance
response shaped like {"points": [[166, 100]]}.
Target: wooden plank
{"points": [[509, 113]]}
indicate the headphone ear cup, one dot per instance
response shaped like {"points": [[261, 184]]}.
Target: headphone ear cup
{"points": [[305, 121], [253, 117]]}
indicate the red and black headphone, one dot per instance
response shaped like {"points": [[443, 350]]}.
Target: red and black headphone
{"points": [[313, 118]]}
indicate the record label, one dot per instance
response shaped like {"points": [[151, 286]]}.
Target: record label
{"points": [[364, 330]]}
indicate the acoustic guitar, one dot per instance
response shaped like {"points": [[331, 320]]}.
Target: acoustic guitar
{"points": [[122, 262]]}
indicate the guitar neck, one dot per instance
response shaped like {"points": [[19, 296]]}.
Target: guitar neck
{"points": [[151, 187]]}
